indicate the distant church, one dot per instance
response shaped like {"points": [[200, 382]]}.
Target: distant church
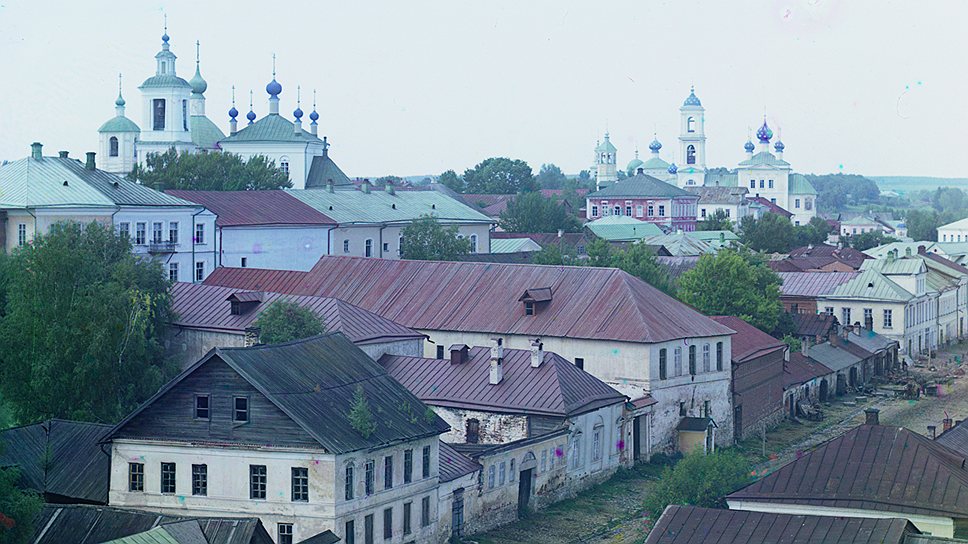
{"points": [[763, 173], [173, 117]]}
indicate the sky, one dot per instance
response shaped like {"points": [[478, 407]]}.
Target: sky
{"points": [[409, 88]]}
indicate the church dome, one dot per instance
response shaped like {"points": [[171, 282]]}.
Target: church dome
{"points": [[655, 146], [314, 116], [673, 168], [250, 116], [634, 165], [692, 99], [778, 146], [119, 123], [298, 113], [748, 146], [120, 101], [274, 88], [198, 84], [764, 133], [233, 113]]}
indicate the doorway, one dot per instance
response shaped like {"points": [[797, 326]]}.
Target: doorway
{"points": [[823, 390], [524, 492], [636, 438], [457, 514], [738, 421]]}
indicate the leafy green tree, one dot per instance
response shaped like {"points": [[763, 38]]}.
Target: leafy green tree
{"points": [[867, 240], [83, 332], [427, 240], [585, 180], [285, 321], [532, 212], [500, 175], [639, 260], [923, 224], [737, 283], [815, 232], [209, 172], [599, 253], [383, 180], [716, 221], [835, 192], [549, 254], [793, 343], [949, 199], [699, 480], [770, 233], [18, 508], [360, 416], [550, 177], [452, 180]]}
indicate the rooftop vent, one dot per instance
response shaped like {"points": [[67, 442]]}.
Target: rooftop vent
{"points": [[459, 354], [244, 302], [62, 154], [537, 352], [37, 151], [871, 416], [90, 165]]}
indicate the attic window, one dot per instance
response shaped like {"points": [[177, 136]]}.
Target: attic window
{"points": [[65, 183], [433, 206], [534, 298], [528, 307], [240, 411], [244, 302], [394, 206], [870, 285]]}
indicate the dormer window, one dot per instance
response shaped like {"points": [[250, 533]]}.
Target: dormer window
{"points": [[534, 299], [528, 307], [244, 302]]}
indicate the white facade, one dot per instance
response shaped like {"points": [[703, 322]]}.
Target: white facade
{"points": [[165, 113], [275, 247], [293, 157], [183, 239], [692, 143], [954, 232]]}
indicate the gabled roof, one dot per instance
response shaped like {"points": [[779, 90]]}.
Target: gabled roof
{"points": [[869, 340], [313, 381], [890, 267], [860, 220], [956, 438], [246, 208], [871, 285], [513, 245], [592, 303], [812, 284], [641, 186], [719, 194], [725, 180], [959, 224], [348, 206], [622, 228], [813, 325], [323, 171], [871, 467], [695, 525], [834, 357], [770, 206], [681, 244], [183, 532], [556, 388], [271, 128], [454, 464], [205, 133], [765, 158], [801, 369], [846, 255], [749, 342], [61, 459]]}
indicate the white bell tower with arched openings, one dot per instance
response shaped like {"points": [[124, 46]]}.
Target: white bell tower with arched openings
{"points": [[692, 143]]}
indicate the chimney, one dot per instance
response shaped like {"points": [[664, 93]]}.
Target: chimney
{"points": [[805, 347], [458, 354], [561, 233], [497, 362], [922, 250], [932, 431], [389, 188], [907, 251], [329, 186], [63, 154], [722, 237], [537, 352], [90, 161], [36, 151], [946, 424], [365, 187], [871, 415]]}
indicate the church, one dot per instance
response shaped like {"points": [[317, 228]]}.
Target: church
{"points": [[763, 173], [173, 117]]}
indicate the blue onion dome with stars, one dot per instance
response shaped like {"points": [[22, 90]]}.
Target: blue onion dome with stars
{"points": [[274, 88], [764, 133], [748, 146], [655, 146], [673, 168], [778, 146], [692, 99]]}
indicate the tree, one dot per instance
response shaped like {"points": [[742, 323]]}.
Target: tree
{"points": [[550, 177], [639, 260], [360, 416], [736, 283], [426, 239], [716, 221], [452, 180], [209, 172], [500, 175], [18, 508], [599, 253], [699, 479], [585, 180], [793, 343], [815, 232], [770, 233], [83, 331], [285, 321], [835, 192], [867, 240], [922, 225], [532, 212]]}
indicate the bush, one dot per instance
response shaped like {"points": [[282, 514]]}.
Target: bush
{"points": [[699, 480]]}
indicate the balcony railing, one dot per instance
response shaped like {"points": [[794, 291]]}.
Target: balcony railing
{"points": [[162, 247]]}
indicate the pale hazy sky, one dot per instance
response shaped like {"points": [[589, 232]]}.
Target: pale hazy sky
{"points": [[413, 87]]}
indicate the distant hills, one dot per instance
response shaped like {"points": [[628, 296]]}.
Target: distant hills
{"points": [[906, 184]]}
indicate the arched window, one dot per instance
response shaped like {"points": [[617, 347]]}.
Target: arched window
{"points": [[472, 434], [114, 146], [597, 439], [618, 210], [662, 364], [692, 360], [705, 357], [691, 124], [691, 154], [284, 165], [473, 243]]}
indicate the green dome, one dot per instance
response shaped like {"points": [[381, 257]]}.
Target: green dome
{"points": [[634, 164], [205, 133], [197, 83], [164, 81], [119, 124]]}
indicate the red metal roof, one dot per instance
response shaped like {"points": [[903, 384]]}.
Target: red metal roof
{"points": [[801, 369], [592, 303], [813, 325], [556, 388], [827, 253], [871, 467], [454, 464], [239, 208], [773, 208], [748, 342], [812, 284], [205, 307]]}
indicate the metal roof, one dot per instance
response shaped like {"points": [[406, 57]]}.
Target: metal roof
{"points": [[323, 171], [641, 186], [871, 467], [313, 381], [555, 388], [891, 267], [695, 525], [956, 438], [592, 303], [719, 194], [119, 123], [513, 245], [681, 244], [869, 340], [677, 266], [801, 369], [835, 358], [205, 307], [812, 284], [871, 285], [771, 207], [749, 342], [622, 228], [245, 208], [800, 185], [205, 133], [823, 254], [454, 464], [271, 128], [813, 325], [377, 207], [765, 158], [188, 532]]}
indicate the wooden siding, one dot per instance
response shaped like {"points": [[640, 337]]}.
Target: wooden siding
{"points": [[758, 389]]}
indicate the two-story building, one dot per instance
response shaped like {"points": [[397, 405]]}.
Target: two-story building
{"points": [[647, 199]]}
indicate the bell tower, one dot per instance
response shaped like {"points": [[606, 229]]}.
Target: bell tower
{"points": [[692, 142]]}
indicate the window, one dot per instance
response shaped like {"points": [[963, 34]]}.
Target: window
{"points": [[173, 232], [285, 533], [661, 211], [491, 476], [168, 477], [691, 125], [407, 466], [426, 462], [511, 471], [349, 532], [829, 310], [719, 355], [473, 238], [368, 477], [868, 317], [692, 360], [387, 523], [705, 409], [136, 476], [140, 233], [682, 409], [618, 210], [580, 362], [597, 444], [472, 434], [156, 229], [244, 262], [528, 308], [576, 451], [440, 352], [300, 484], [628, 211], [702, 213], [752, 184], [705, 358], [727, 211], [386, 247], [200, 480], [184, 114], [425, 512], [845, 314], [691, 154], [113, 144], [199, 271], [158, 114], [638, 211], [769, 184], [677, 361], [284, 165], [348, 492], [368, 248], [368, 529], [503, 473], [200, 233], [772, 201], [240, 412], [888, 319], [173, 272], [388, 472], [346, 246], [808, 204], [650, 211], [257, 481], [796, 203], [594, 211], [762, 183], [662, 364], [124, 229], [201, 406], [407, 507]]}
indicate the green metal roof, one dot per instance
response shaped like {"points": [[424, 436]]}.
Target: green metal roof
{"points": [[164, 81], [722, 180], [355, 206], [680, 244], [323, 170], [642, 186], [606, 146], [800, 185], [859, 220], [119, 123], [655, 163], [621, 228], [157, 535], [271, 128], [718, 239], [871, 285], [890, 266], [205, 133], [513, 245], [765, 158], [902, 248]]}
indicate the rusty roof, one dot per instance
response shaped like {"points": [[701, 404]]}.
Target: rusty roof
{"points": [[771, 207], [206, 307], [871, 467], [454, 464], [813, 325], [243, 208], [555, 388], [846, 255], [592, 303], [695, 525], [956, 438], [749, 342], [812, 284], [801, 369]]}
